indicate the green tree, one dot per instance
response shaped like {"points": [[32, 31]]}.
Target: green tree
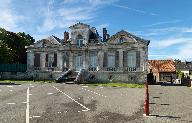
{"points": [[15, 43]]}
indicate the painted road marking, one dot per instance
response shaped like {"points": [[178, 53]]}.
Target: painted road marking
{"points": [[9, 86], [84, 86], [27, 109], [36, 116], [30, 94], [20, 85], [10, 90], [11, 103], [23, 102], [49, 93], [93, 92], [72, 99]]}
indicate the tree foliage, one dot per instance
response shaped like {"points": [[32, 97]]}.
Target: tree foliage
{"points": [[12, 46]]}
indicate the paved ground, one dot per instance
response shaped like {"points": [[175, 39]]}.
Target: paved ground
{"points": [[170, 104], [62, 103]]}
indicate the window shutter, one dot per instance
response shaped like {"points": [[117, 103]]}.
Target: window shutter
{"points": [[117, 59], [46, 60], [125, 59], [37, 60], [138, 59], [105, 60], [55, 60]]}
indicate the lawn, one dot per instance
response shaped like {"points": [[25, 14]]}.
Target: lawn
{"points": [[127, 85]]}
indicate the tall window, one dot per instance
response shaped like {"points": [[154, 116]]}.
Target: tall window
{"points": [[111, 60], [131, 59], [79, 62], [79, 41], [93, 60]]}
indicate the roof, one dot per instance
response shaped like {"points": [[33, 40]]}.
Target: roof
{"points": [[79, 24], [125, 33], [162, 65], [183, 65]]}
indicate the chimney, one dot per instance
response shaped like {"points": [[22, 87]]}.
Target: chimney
{"points": [[104, 34], [107, 36], [66, 36]]}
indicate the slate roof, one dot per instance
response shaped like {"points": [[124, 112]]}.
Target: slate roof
{"points": [[162, 65], [86, 25], [123, 32]]}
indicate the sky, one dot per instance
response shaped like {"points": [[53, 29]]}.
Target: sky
{"points": [[166, 23]]}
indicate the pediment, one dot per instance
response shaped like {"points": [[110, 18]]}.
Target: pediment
{"points": [[79, 26], [127, 38], [48, 42]]}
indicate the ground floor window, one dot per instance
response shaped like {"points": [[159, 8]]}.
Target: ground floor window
{"points": [[111, 60], [79, 62], [93, 60], [131, 59]]}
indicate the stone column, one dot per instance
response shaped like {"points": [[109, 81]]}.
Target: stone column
{"points": [[71, 60], [60, 61], [120, 59], [42, 60], [100, 57], [30, 60]]}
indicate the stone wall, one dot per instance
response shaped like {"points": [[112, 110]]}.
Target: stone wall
{"points": [[134, 77]]}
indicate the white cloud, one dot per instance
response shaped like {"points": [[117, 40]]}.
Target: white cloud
{"points": [[64, 16], [9, 20], [188, 29], [136, 10], [100, 28], [168, 42], [184, 52], [162, 23]]}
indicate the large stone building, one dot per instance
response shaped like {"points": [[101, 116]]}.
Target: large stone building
{"points": [[121, 57]]}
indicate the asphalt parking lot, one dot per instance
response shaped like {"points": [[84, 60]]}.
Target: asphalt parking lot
{"points": [[70, 103]]}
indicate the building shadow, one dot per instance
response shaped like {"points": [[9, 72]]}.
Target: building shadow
{"points": [[166, 116], [11, 83]]}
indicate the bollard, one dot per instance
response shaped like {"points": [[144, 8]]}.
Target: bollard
{"points": [[146, 102]]}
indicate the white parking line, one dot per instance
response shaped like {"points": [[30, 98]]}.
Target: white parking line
{"points": [[72, 99], [49, 93], [85, 86], [36, 116], [27, 109], [9, 86], [11, 103], [94, 92]]}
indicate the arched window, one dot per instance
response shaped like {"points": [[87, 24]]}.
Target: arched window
{"points": [[79, 41]]}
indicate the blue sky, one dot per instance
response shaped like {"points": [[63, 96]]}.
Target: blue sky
{"points": [[166, 23]]}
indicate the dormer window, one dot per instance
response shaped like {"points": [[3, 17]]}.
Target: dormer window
{"points": [[121, 40], [80, 41]]}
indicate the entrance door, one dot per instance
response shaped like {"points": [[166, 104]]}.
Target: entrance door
{"points": [[79, 62]]}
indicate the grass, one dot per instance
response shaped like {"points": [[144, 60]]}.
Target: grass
{"points": [[24, 81], [127, 85]]}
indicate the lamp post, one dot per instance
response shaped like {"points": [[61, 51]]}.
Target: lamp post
{"points": [[146, 102]]}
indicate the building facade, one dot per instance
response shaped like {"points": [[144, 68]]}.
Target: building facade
{"points": [[121, 57], [163, 70]]}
